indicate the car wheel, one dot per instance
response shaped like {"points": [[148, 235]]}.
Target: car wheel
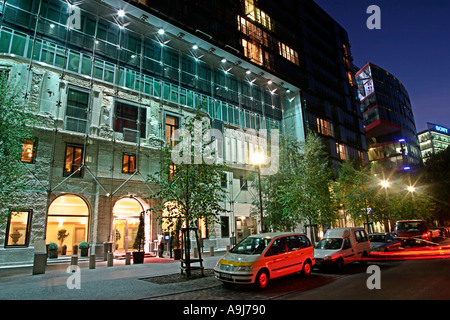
{"points": [[262, 279], [307, 269]]}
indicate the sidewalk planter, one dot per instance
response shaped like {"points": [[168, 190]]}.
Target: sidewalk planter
{"points": [[176, 254], [84, 248], [138, 256], [52, 250]]}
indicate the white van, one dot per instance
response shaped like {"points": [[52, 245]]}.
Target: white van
{"points": [[261, 257], [342, 246]]}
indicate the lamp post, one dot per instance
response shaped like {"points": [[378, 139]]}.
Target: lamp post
{"points": [[258, 159], [385, 185], [411, 190]]}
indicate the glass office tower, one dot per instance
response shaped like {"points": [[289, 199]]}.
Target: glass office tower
{"points": [[388, 120]]}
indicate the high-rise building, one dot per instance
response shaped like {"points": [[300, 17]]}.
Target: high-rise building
{"points": [[113, 79], [388, 120], [433, 140]]}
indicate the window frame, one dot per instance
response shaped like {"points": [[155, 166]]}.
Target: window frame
{"points": [[129, 155], [28, 229], [32, 159], [72, 164]]}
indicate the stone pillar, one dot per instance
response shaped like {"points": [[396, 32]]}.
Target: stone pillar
{"points": [[92, 261], [110, 259], [39, 263]]}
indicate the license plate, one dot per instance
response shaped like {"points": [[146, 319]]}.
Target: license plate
{"points": [[225, 276]]}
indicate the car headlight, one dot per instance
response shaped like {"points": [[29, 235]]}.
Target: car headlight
{"points": [[327, 258], [244, 268]]}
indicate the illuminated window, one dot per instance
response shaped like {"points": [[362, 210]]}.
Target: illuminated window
{"points": [[128, 163], [172, 170], [69, 213], [252, 51], [73, 161], [341, 151], [172, 123], [325, 127], [28, 151], [258, 15], [18, 229], [288, 53]]}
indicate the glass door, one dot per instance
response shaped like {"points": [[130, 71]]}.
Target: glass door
{"points": [[125, 231]]}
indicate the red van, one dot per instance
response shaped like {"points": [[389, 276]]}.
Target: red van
{"points": [[413, 232]]}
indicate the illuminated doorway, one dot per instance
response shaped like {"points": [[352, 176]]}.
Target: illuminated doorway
{"points": [[126, 213], [67, 215]]}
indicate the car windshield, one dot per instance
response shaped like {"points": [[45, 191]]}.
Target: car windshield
{"points": [[329, 243], [410, 226], [377, 238], [251, 245]]}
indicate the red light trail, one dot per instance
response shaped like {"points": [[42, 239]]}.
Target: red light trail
{"points": [[437, 252]]}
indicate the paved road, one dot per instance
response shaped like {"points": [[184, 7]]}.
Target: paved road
{"points": [[400, 280]]}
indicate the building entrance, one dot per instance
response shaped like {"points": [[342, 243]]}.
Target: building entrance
{"points": [[126, 221]]}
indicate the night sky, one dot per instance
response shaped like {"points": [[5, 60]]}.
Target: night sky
{"points": [[413, 44]]}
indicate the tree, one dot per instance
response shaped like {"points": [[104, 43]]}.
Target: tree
{"points": [[16, 123], [352, 190], [312, 185], [300, 191], [357, 192], [279, 214], [189, 179], [437, 177]]}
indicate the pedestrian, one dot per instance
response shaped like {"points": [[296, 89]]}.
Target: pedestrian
{"points": [[170, 244], [160, 245]]}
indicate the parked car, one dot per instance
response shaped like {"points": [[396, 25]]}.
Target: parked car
{"points": [[414, 232], [342, 246], [383, 242], [444, 232], [261, 257]]}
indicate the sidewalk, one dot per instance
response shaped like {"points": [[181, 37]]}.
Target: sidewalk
{"points": [[118, 282]]}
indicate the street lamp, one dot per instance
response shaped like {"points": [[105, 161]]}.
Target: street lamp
{"points": [[411, 190], [258, 159], [385, 184]]}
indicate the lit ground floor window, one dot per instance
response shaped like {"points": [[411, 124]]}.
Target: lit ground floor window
{"points": [[68, 220], [18, 229]]}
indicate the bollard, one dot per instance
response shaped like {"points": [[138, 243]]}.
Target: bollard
{"points": [[75, 250], [110, 259], [127, 257], [211, 251], [74, 260], [92, 261], [40, 260], [228, 247]]}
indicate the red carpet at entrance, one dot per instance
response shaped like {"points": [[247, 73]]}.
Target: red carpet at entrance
{"points": [[159, 260], [148, 258]]}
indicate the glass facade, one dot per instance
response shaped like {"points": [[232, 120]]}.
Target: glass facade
{"points": [[388, 120], [433, 140]]}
